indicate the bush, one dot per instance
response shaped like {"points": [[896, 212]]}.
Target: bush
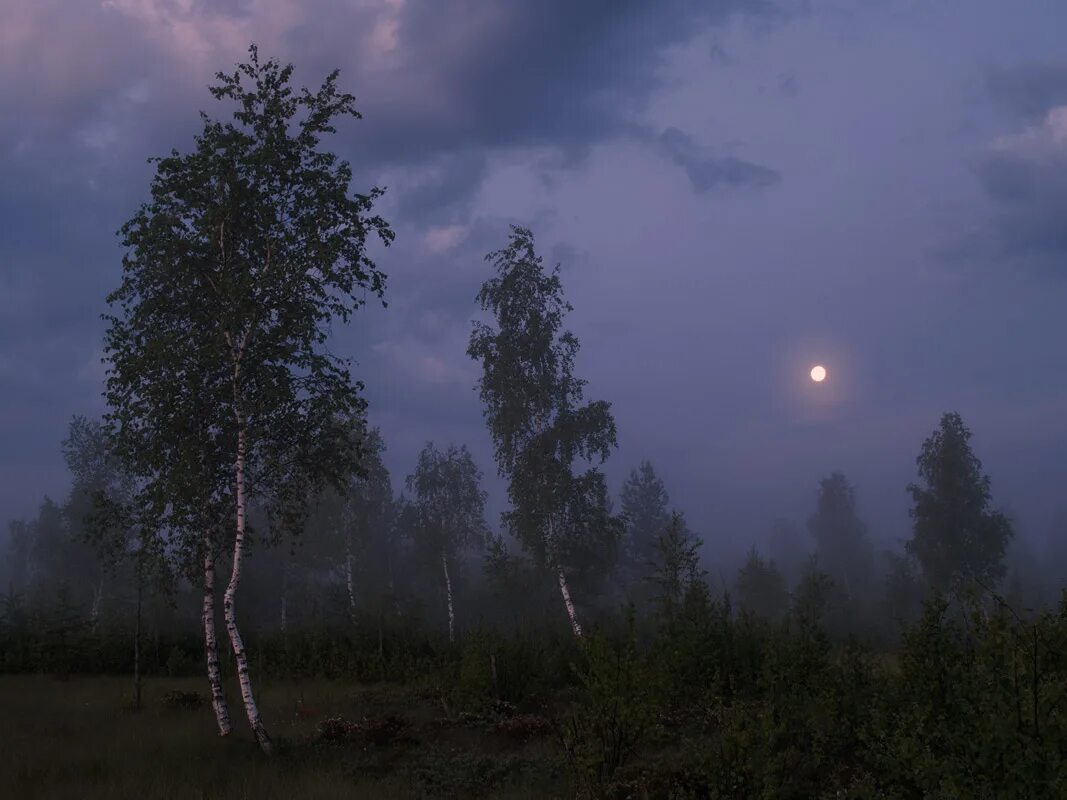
{"points": [[612, 713], [179, 699]]}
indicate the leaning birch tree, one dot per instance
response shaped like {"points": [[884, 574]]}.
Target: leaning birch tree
{"points": [[449, 511], [221, 387], [537, 418]]}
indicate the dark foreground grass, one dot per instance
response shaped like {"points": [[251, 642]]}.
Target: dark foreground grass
{"points": [[79, 738]]}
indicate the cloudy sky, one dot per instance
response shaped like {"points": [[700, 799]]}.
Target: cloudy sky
{"points": [[736, 189]]}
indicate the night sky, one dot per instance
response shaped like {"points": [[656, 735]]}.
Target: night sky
{"points": [[735, 191]]}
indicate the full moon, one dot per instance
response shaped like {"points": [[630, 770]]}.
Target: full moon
{"points": [[818, 373]]}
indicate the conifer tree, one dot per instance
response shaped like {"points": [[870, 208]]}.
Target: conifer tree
{"points": [[957, 535]]}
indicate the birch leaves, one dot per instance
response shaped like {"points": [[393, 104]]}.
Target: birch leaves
{"points": [[221, 387], [538, 420]]}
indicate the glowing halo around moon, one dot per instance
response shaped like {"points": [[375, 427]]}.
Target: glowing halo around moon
{"points": [[818, 373]]}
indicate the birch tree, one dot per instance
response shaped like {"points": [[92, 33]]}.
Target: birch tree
{"points": [[537, 418], [645, 506], [842, 548], [221, 386], [365, 523], [450, 511]]}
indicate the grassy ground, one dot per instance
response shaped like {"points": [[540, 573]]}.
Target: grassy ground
{"points": [[79, 738]]}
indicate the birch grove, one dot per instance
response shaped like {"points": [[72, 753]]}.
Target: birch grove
{"points": [[221, 388]]}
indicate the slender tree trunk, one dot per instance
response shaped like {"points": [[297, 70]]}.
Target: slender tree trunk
{"points": [[381, 635], [94, 612], [392, 582], [211, 646], [571, 613], [564, 590], [240, 656], [349, 584], [137, 644], [283, 620], [448, 592]]}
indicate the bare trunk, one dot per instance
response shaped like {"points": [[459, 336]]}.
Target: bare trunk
{"points": [[94, 612], [348, 576], [211, 646], [283, 620], [381, 637], [240, 656], [392, 582], [571, 613], [451, 609], [137, 645]]}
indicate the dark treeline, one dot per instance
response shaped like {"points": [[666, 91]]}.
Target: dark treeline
{"points": [[389, 556], [237, 461]]}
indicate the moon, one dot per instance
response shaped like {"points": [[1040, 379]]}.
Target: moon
{"points": [[818, 373]]}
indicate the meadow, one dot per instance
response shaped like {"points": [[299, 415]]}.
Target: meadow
{"points": [[79, 737]]}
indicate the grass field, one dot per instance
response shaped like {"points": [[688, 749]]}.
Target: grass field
{"points": [[79, 738]]}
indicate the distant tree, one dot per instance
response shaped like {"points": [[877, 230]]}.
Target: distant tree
{"points": [[357, 523], [48, 555], [98, 482], [842, 549], [675, 565], [790, 547], [450, 504], [99, 506], [368, 519], [903, 592], [1054, 555], [813, 596], [538, 421], [644, 508], [956, 535], [221, 387], [761, 589]]}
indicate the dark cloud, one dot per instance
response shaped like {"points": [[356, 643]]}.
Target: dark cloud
{"points": [[707, 171], [1025, 178], [90, 90], [444, 187], [552, 72], [1030, 89]]}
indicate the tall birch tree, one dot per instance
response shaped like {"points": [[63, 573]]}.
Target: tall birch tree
{"points": [[450, 511], [538, 420], [221, 386]]}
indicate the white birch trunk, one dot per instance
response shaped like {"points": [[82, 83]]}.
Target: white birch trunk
{"points": [[552, 548], [571, 613], [229, 611], [451, 609], [211, 647], [349, 584]]}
